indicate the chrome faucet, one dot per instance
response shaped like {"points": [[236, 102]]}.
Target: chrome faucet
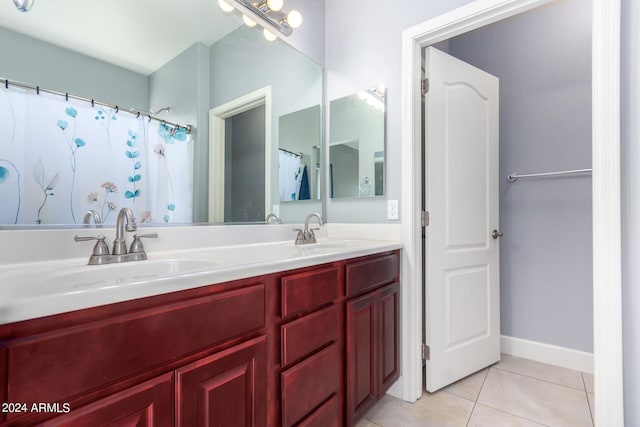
{"points": [[91, 213], [307, 235], [120, 244], [272, 217], [136, 252]]}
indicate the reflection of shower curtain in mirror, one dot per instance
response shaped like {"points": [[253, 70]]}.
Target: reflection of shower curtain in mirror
{"points": [[290, 175], [60, 158]]}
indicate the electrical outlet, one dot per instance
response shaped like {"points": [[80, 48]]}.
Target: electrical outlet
{"points": [[392, 209]]}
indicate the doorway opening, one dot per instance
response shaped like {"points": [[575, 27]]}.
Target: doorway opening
{"points": [[606, 187], [240, 159]]}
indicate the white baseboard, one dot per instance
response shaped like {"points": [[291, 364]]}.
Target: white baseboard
{"points": [[546, 353]]}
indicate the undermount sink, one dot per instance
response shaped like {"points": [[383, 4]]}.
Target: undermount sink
{"points": [[333, 244], [130, 272]]}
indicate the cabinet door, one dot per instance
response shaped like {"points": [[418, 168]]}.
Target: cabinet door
{"points": [[388, 344], [225, 389], [144, 405], [361, 355]]}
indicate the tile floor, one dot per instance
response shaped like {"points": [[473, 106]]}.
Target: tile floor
{"points": [[515, 392]]}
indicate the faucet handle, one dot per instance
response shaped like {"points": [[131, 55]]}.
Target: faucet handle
{"points": [[136, 245], [300, 238], [311, 236], [100, 247]]}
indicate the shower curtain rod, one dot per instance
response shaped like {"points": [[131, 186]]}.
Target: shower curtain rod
{"points": [[93, 102], [513, 177], [293, 153]]}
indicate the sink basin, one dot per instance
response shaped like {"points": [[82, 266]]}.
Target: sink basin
{"points": [[332, 244], [123, 273]]}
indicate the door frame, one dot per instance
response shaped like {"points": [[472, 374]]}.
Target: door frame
{"points": [[607, 271], [217, 117]]}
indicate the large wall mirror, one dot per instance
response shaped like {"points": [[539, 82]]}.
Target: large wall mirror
{"points": [[186, 63], [356, 144]]}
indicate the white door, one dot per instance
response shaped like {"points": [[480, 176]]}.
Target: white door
{"points": [[462, 271]]}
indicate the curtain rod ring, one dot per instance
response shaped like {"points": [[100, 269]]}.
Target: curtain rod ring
{"points": [[37, 90], [93, 104], [6, 84], [66, 96], [138, 115], [116, 109]]}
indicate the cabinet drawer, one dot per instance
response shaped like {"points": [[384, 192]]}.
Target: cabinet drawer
{"points": [[56, 366], [307, 334], [328, 415], [310, 289], [371, 273], [310, 382]]}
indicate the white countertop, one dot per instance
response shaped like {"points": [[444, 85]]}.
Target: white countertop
{"points": [[35, 289]]}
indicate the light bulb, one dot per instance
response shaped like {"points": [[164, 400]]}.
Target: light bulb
{"points": [[226, 7], [248, 21], [269, 35], [275, 5], [23, 5], [294, 18]]}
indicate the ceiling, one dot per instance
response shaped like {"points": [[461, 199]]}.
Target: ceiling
{"points": [[140, 35]]}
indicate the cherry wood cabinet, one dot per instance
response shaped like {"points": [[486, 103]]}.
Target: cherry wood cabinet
{"points": [[146, 404], [372, 344], [224, 389], [311, 340], [313, 347], [139, 363]]}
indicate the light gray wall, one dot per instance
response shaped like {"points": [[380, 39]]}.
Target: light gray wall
{"points": [[630, 89], [183, 85], [35, 62], [364, 49], [543, 61]]}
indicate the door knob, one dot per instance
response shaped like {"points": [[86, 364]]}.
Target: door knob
{"points": [[496, 234]]}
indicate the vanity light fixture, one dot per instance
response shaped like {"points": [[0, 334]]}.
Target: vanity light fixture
{"points": [[275, 5], [23, 5], [269, 35], [268, 13], [374, 97], [248, 21], [226, 7]]}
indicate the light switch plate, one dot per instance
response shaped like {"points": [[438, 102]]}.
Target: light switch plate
{"points": [[392, 209]]}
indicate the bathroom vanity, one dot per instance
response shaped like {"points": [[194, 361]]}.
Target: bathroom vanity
{"points": [[308, 342]]}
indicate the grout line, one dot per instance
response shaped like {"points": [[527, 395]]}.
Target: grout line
{"points": [[514, 415], [586, 394], [540, 379], [475, 402]]}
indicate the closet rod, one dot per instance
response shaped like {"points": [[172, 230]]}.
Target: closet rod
{"points": [[293, 153], [513, 177], [6, 83]]}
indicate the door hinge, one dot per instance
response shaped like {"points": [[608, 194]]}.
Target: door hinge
{"points": [[424, 86], [424, 218], [426, 352]]}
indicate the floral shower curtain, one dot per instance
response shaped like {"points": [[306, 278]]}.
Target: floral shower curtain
{"points": [[59, 159]]}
